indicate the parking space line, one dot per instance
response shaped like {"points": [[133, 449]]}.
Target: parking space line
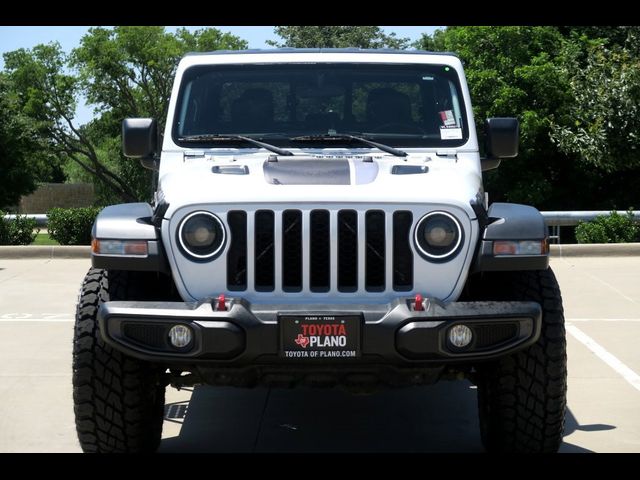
{"points": [[36, 317], [629, 375], [603, 320]]}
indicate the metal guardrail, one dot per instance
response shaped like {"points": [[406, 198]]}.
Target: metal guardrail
{"points": [[41, 218], [558, 219], [554, 220]]}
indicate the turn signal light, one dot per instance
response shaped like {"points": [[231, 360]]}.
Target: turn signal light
{"points": [[521, 247], [120, 247]]}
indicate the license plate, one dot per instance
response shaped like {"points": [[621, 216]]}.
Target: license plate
{"points": [[320, 337]]}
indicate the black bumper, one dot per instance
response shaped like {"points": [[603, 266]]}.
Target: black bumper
{"points": [[246, 334]]}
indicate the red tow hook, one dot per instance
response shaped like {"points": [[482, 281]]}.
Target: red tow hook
{"points": [[222, 303], [418, 303]]}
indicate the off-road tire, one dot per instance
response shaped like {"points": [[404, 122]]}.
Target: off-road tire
{"points": [[118, 400], [522, 397]]}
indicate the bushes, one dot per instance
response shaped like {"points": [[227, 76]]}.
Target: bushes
{"points": [[614, 228], [19, 231], [72, 226]]}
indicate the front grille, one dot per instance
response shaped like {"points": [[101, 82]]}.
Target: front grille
{"points": [[320, 251]]}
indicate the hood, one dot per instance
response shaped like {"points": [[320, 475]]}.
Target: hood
{"points": [[259, 178]]}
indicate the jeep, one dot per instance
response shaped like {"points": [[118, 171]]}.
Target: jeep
{"points": [[319, 220]]}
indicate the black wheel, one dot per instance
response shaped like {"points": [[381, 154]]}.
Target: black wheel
{"points": [[522, 397], [118, 400]]}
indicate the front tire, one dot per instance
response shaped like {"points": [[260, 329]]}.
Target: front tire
{"points": [[522, 397], [118, 400]]}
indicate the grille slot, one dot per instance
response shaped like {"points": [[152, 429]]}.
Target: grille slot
{"points": [[320, 260], [347, 250], [402, 254], [237, 256], [264, 251], [375, 251], [292, 250]]}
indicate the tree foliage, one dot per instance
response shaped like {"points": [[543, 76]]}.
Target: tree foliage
{"points": [[21, 163], [336, 37], [605, 131], [17, 176], [123, 72]]}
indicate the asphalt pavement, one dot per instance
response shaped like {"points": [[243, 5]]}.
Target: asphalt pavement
{"points": [[602, 308]]}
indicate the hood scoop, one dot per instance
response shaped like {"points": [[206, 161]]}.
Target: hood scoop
{"points": [[307, 171], [230, 169], [409, 169]]}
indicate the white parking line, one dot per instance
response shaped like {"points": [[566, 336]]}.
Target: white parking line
{"points": [[36, 317], [629, 375], [603, 320]]}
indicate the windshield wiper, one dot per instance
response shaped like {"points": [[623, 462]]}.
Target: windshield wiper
{"points": [[207, 138], [344, 136]]}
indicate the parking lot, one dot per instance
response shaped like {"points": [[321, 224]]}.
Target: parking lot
{"points": [[602, 308]]}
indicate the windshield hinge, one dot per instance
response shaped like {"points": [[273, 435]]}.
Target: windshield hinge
{"points": [[190, 155], [447, 152]]}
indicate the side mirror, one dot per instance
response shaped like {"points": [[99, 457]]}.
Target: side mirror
{"points": [[140, 138], [502, 138]]}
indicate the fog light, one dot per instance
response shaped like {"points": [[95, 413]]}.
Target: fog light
{"points": [[180, 336], [460, 336]]}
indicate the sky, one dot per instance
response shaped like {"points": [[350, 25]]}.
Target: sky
{"points": [[12, 38]]}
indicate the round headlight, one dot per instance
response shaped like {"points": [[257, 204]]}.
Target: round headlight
{"points": [[201, 234], [438, 235]]}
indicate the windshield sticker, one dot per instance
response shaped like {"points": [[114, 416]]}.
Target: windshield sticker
{"points": [[450, 133], [448, 119]]}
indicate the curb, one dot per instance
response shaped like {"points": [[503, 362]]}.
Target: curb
{"points": [[45, 251], [82, 251], [596, 250]]}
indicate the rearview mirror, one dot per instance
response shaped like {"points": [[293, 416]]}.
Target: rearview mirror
{"points": [[139, 137], [502, 139]]}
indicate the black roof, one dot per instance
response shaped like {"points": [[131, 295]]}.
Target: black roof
{"points": [[321, 50]]}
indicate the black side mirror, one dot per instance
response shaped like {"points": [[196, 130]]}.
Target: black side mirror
{"points": [[502, 138], [139, 138]]}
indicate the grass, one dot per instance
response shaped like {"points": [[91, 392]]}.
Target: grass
{"points": [[44, 239]]}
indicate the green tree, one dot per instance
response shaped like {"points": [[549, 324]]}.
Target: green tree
{"points": [[16, 178], [21, 163], [605, 88], [308, 36], [123, 72]]}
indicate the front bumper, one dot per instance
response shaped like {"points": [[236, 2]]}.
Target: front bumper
{"points": [[249, 335]]}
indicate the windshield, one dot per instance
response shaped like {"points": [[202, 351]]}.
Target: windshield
{"points": [[398, 104]]}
